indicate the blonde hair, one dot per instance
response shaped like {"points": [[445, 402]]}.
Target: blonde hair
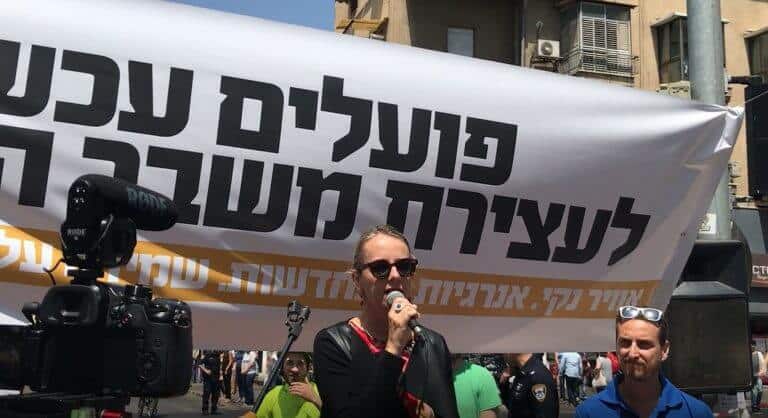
{"points": [[357, 261]]}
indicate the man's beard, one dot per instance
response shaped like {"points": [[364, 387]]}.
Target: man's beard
{"points": [[636, 372]]}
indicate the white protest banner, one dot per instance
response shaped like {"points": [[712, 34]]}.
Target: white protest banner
{"points": [[536, 203]]}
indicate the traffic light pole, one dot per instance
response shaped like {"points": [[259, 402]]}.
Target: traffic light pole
{"points": [[706, 62], [706, 74]]}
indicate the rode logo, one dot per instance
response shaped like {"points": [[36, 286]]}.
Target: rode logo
{"points": [[145, 201], [77, 232]]}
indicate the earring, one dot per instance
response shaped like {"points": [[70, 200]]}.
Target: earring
{"points": [[363, 299], [357, 291]]}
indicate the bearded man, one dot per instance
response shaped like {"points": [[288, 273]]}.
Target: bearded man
{"points": [[640, 390]]}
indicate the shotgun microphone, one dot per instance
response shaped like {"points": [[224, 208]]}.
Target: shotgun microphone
{"points": [[92, 196]]}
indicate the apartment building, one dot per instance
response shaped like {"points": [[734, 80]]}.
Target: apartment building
{"points": [[635, 43]]}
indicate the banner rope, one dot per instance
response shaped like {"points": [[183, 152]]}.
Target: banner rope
{"points": [[755, 98]]}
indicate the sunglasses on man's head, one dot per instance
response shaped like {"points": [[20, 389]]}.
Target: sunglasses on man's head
{"points": [[633, 312], [380, 269]]}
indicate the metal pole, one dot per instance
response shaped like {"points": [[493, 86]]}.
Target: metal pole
{"points": [[705, 58], [705, 61]]}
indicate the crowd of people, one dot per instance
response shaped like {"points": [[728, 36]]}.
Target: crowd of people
{"points": [[379, 363], [574, 376], [577, 372], [228, 373], [759, 376]]}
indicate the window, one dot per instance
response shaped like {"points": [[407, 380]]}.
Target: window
{"points": [[461, 41], [758, 55], [672, 49], [596, 38]]}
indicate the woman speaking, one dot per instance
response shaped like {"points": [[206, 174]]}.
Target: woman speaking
{"points": [[373, 365]]}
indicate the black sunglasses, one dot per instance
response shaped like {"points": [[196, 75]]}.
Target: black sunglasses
{"points": [[380, 269]]}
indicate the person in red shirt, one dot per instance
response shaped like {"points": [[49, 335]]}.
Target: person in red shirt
{"points": [[614, 361]]}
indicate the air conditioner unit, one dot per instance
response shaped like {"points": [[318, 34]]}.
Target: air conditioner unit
{"points": [[548, 48]]}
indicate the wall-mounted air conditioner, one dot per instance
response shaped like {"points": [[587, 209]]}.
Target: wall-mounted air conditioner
{"points": [[548, 48]]}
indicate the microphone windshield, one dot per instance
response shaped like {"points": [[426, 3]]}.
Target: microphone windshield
{"points": [[394, 295], [148, 209]]}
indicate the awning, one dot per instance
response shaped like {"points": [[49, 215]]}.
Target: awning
{"points": [[676, 15], [755, 32], [758, 310], [753, 223]]}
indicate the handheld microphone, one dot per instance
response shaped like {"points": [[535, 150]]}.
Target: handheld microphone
{"points": [[413, 324]]}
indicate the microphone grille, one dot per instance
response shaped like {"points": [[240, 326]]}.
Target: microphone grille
{"points": [[394, 295]]}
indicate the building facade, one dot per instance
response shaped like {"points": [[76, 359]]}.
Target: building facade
{"points": [[635, 43]]}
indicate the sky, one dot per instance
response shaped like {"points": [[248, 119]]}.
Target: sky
{"points": [[314, 13]]}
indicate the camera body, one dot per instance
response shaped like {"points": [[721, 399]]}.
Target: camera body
{"points": [[91, 337], [101, 338]]}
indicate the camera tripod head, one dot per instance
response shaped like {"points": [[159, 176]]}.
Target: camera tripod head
{"points": [[297, 314]]}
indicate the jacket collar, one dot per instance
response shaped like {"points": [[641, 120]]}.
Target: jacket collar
{"points": [[670, 397], [529, 364]]}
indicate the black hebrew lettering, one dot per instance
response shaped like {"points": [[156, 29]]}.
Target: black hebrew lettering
{"points": [[448, 125], [305, 102], [477, 206], [431, 199], [39, 75], [636, 223], [538, 231], [504, 208], [389, 157], [313, 184], [360, 112], [571, 253], [143, 120], [506, 137], [188, 166], [37, 161], [231, 131], [124, 155], [216, 212], [106, 80]]}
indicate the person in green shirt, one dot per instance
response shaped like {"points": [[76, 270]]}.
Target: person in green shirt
{"points": [[298, 397], [477, 395]]}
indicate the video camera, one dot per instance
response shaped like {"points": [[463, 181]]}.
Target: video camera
{"points": [[90, 337]]}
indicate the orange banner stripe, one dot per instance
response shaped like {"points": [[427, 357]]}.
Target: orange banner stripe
{"points": [[213, 275]]}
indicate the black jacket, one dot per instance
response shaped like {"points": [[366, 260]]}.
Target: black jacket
{"points": [[355, 383], [212, 362], [532, 393]]}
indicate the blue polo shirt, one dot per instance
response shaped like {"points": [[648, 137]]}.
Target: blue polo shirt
{"points": [[673, 403]]}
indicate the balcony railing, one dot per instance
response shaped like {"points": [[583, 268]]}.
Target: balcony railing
{"points": [[599, 60]]}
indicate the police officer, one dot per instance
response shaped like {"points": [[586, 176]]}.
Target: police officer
{"points": [[531, 392], [210, 367]]}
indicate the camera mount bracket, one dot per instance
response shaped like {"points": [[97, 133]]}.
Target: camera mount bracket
{"points": [[297, 315]]}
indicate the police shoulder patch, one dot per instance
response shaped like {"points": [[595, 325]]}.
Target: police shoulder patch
{"points": [[539, 392]]}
